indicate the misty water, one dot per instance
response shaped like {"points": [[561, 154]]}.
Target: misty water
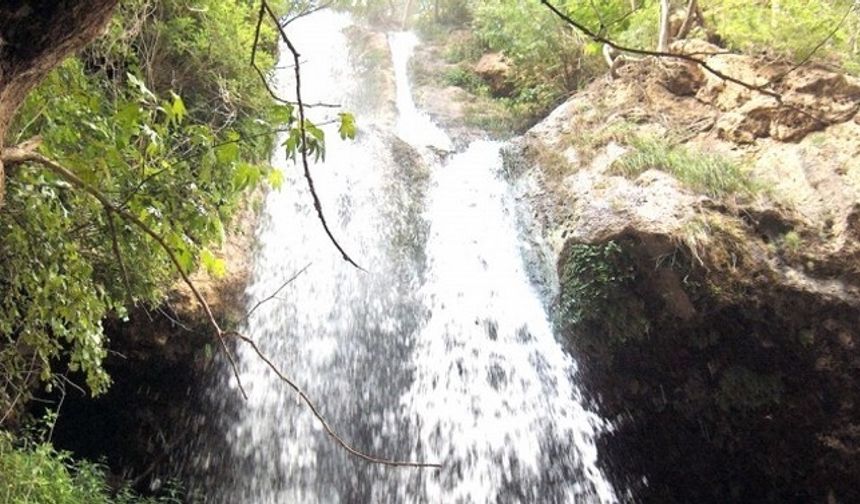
{"points": [[442, 351]]}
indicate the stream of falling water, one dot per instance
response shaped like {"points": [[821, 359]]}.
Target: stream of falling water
{"points": [[441, 352]]}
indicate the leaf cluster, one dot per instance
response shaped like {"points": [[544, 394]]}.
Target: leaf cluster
{"points": [[164, 117]]}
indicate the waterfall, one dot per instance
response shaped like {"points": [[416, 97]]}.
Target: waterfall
{"points": [[441, 352]]}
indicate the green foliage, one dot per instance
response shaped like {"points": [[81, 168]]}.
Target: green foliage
{"points": [[347, 127], [792, 242], [789, 28], [33, 472], [164, 117], [595, 291], [466, 79], [467, 48], [547, 57], [709, 174]]}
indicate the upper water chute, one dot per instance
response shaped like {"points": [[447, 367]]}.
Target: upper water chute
{"points": [[441, 352]]}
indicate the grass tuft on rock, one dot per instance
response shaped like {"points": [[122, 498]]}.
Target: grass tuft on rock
{"points": [[709, 174]]}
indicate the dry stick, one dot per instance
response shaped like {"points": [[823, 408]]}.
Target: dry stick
{"points": [[20, 391], [279, 289], [596, 37], [303, 132], [688, 20], [346, 446], [70, 177]]}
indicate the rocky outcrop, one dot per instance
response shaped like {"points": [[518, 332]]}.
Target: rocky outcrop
{"points": [[495, 70], [717, 330]]}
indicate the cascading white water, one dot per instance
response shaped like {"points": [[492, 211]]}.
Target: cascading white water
{"points": [[441, 352]]}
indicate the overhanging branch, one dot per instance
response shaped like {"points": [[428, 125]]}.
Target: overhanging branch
{"points": [[264, 6], [764, 89]]}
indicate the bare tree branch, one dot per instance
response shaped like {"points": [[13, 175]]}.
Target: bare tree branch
{"points": [[20, 391], [818, 46], [303, 132], [346, 446], [306, 13], [596, 37], [665, 36], [276, 292], [763, 89], [262, 75], [116, 252], [689, 19]]}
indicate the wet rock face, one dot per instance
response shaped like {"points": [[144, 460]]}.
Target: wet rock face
{"points": [[745, 396], [718, 334]]}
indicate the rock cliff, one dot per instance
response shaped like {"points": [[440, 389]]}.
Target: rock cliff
{"points": [[707, 245]]}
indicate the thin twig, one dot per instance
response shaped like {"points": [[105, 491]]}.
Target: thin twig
{"points": [[277, 291], [817, 47], [20, 391], [306, 13], [303, 132], [304, 397], [272, 93]]}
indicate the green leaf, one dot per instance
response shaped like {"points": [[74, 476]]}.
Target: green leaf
{"points": [[281, 114], [347, 126], [228, 151], [213, 265], [275, 178], [141, 87], [178, 107]]}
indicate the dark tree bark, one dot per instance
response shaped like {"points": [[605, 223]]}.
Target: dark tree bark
{"points": [[35, 36]]}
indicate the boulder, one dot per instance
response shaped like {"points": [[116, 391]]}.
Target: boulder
{"points": [[495, 70]]}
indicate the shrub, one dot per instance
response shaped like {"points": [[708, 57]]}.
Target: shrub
{"points": [[33, 472]]}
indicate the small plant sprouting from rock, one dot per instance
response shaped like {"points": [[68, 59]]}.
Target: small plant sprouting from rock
{"points": [[712, 175], [792, 242], [595, 295]]}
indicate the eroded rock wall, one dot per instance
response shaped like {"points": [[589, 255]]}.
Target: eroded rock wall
{"points": [[719, 332]]}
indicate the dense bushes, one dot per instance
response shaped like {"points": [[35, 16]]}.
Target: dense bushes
{"points": [[33, 472]]}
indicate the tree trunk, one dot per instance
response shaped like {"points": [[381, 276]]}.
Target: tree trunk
{"points": [[35, 36], [665, 12], [405, 14], [689, 20]]}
